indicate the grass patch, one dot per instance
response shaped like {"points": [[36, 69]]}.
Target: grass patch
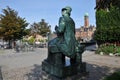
{"points": [[114, 76]]}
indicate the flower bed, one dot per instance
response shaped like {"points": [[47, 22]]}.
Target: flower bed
{"points": [[108, 49]]}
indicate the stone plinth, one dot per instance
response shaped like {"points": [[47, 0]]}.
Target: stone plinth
{"points": [[62, 71]]}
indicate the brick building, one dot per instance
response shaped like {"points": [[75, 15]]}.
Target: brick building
{"points": [[86, 32]]}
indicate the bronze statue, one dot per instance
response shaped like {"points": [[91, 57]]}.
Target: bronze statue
{"points": [[65, 44]]}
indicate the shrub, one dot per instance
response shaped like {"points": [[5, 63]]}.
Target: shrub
{"points": [[108, 26], [108, 48], [118, 49], [31, 40]]}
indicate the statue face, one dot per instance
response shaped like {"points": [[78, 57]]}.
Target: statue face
{"points": [[65, 13]]}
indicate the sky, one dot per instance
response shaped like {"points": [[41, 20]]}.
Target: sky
{"points": [[50, 10]]}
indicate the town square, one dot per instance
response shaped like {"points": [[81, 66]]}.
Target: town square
{"points": [[65, 40]]}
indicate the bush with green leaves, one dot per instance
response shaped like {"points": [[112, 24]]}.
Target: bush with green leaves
{"points": [[108, 25], [108, 48], [31, 40]]}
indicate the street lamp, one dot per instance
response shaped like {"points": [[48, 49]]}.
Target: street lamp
{"points": [[48, 36]]}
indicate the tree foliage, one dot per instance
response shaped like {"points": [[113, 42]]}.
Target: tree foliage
{"points": [[12, 26], [41, 28], [105, 4], [108, 25]]}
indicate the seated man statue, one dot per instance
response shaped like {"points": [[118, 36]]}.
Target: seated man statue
{"points": [[65, 41], [65, 44]]}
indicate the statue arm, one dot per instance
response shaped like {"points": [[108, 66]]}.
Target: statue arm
{"points": [[61, 27]]}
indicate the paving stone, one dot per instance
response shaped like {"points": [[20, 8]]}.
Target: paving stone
{"points": [[27, 66]]}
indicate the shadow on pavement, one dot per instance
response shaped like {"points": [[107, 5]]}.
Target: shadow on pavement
{"points": [[35, 74], [96, 72]]}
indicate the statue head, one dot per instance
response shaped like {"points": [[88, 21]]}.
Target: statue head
{"points": [[67, 10]]}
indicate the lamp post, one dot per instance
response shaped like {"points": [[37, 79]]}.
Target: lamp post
{"points": [[48, 36]]}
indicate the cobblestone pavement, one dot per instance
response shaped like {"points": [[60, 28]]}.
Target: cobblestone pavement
{"points": [[100, 66], [27, 65]]}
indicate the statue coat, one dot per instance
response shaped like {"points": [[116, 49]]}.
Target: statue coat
{"points": [[65, 41]]}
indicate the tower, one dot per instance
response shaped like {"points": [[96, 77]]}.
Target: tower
{"points": [[86, 20]]}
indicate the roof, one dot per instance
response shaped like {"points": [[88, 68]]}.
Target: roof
{"points": [[77, 30]]}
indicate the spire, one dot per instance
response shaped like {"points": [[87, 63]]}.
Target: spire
{"points": [[86, 14], [86, 20]]}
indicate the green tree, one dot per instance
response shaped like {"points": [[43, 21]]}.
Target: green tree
{"points": [[12, 26], [105, 4], [31, 40], [41, 28], [27, 31], [108, 25]]}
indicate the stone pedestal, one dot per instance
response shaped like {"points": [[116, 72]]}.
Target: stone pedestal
{"points": [[57, 67]]}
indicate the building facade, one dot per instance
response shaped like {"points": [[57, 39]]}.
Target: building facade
{"points": [[85, 33]]}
